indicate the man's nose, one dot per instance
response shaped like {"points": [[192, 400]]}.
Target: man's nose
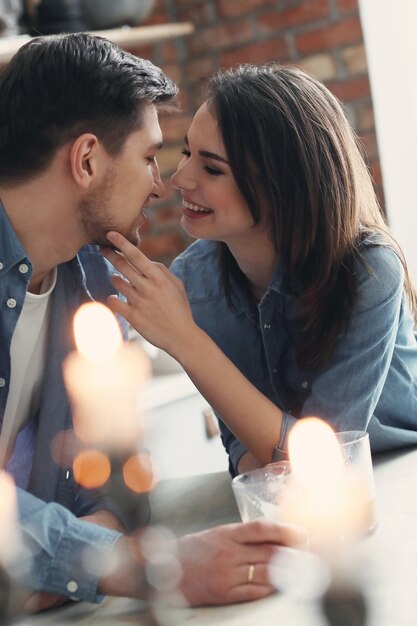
{"points": [[158, 189]]}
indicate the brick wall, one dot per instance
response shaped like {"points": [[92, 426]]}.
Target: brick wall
{"points": [[322, 36]]}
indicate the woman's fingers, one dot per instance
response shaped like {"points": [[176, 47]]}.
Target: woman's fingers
{"points": [[130, 252], [125, 268], [136, 267]]}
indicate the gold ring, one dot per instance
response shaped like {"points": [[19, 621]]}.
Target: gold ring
{"points": [[251, 572]]}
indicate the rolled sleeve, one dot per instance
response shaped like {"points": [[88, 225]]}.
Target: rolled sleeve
{"points": [[60, 549], [280, 452], [236, 451]]}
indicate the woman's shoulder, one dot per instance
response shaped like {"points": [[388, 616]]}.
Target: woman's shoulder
{"points": [[379, 272], [199, 269], [196, 257]]}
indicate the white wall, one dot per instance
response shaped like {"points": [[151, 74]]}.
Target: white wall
{"points": [[390, 33]]}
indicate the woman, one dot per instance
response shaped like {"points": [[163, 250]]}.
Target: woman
{"points": [[299, 299]]}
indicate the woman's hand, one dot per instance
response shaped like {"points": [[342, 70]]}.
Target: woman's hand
{"points": [[157, 305]]}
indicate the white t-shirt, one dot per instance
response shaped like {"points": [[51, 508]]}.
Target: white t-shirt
{"points": [[27, 353]]}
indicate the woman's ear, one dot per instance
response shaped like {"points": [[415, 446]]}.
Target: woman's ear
{"points": [[84, 155]]}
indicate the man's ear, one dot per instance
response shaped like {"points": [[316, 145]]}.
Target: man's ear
{"points": [[84, 156]]}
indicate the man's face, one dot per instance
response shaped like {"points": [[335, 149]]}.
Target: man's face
{"points": [[130, 180]]}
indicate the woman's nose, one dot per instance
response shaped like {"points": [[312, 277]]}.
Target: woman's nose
{"points": [[182, 178]]}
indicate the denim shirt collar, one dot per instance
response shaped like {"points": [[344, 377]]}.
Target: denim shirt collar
{"points": [[243, 302], [11, 249], [12, 252]]}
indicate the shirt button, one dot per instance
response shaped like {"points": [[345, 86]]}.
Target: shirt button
{"points": [[23, 268], [2, 382], [275, 371], [1, 265], [72, 586], [11, 303], [267, 326], [304, 384]]}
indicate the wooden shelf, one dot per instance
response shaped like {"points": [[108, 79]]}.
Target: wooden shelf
{"points": [[125, 37]]}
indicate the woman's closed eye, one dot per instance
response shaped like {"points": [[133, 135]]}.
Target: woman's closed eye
{"points": [[213, 171]]}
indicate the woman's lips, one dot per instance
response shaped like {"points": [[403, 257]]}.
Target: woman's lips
{"points": [[195, 211]]}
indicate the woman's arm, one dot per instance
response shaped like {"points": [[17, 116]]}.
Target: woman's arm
{"points": [[157, 306]]}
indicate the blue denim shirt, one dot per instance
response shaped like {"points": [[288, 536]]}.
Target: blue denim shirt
{"points": [[57, 546], [86, 277], [371, 382]]}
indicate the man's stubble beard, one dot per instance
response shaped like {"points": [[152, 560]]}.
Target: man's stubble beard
{"points": [[93, 213]]}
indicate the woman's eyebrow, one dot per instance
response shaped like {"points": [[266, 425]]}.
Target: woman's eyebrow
{"points": [[207, 154]]}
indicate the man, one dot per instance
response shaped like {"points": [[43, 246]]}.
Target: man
{"points": [[79, 135]]}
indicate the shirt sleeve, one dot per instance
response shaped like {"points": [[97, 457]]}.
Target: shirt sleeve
{"points": [[236, 450], [346, 393], [61, 554]]}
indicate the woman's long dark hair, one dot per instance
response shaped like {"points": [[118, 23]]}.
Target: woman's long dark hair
{"points": [[292, 150]]}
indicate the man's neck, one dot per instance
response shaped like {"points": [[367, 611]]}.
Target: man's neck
{"points": [[36, 282], [43, 219]]}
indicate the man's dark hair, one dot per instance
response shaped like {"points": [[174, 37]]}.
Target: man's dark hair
{"points": [[58, 87]]}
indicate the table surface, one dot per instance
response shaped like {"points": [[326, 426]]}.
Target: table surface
{"points": [[388, 559]]}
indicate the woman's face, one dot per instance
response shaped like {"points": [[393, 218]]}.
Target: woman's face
{"points": [[213, 207]]}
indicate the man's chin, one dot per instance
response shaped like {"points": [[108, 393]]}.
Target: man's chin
{"points": [[135, 238], [102, 240]]}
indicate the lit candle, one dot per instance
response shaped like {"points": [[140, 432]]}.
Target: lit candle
{"points": [[325, 496], [104, 378], [9, 535]]}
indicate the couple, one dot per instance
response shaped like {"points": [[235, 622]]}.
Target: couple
{"points": [[294, 293]]}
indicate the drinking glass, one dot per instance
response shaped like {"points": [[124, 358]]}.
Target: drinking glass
{"points": [[356, 453], [266, 492], [257, 492]]}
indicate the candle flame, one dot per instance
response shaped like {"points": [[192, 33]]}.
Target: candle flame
{"points": [[327, 497], [314, 452], [97, 333]]}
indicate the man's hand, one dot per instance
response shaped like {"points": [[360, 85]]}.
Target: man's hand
{"points": [[222, 565], [105, 518], [216, 563], [41, 601]]}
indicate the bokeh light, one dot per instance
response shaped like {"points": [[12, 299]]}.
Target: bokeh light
{"points": [[140, 473], [92, 469]]}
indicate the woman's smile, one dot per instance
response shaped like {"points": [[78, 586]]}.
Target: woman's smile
{"points": [[194, 211]]}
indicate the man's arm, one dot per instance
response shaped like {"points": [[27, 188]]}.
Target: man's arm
{"points": [[76, 559], [59, 548]]}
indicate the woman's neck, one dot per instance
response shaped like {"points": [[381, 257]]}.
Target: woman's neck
{"points": [[257, 262]]}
